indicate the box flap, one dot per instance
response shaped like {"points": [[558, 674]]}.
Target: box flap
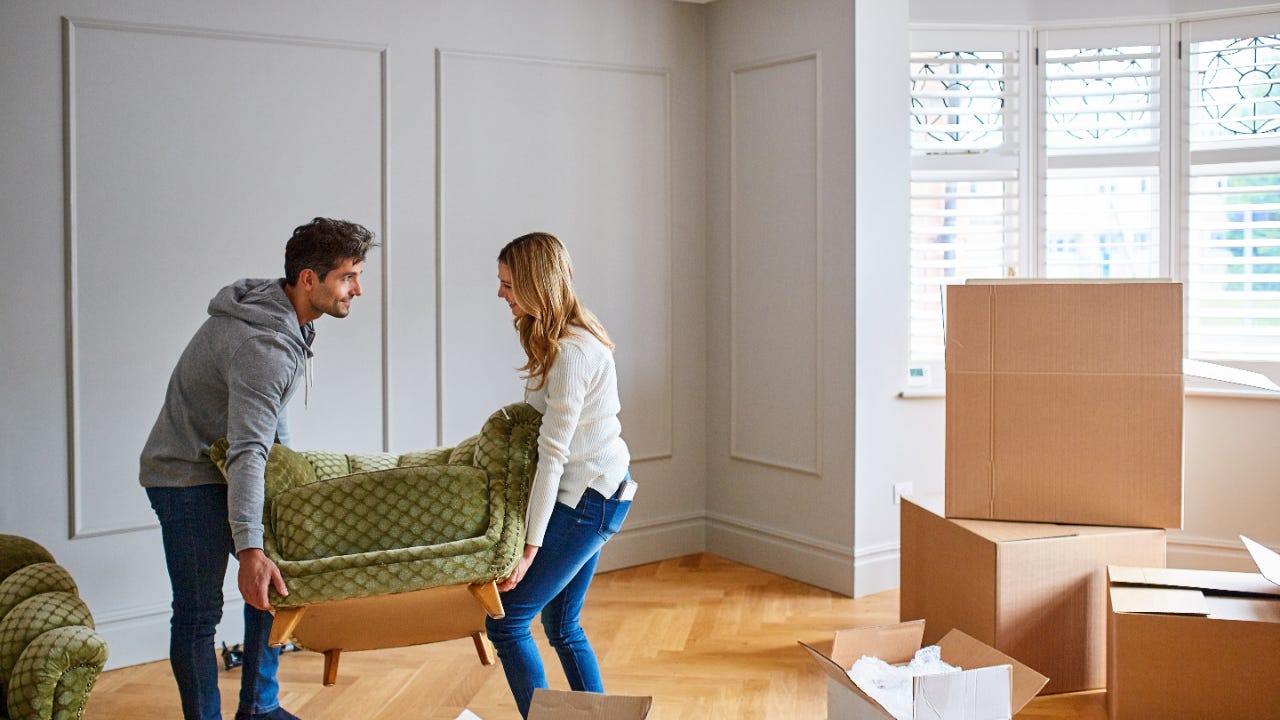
{"points": [[966, 652], [1265, 558], [891, 643], [840, 676], [1008, 531], [1213, 371], [1221, 581], [1158, 600], [994, 530], [565, 705], [978, 694]]}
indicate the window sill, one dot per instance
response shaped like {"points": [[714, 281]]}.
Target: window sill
{"points": [[1189, 391], [916, 393]]}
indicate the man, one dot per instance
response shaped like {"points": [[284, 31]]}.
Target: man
{"points": [[234, 380]]}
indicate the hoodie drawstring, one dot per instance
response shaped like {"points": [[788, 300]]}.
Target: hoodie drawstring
{"points": [[309, 374]]}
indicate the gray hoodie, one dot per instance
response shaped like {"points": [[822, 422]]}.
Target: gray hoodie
{"points": [[233, 380]]}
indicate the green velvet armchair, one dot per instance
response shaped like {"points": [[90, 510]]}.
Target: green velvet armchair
{"points": [[381, 550], [50, 653]]}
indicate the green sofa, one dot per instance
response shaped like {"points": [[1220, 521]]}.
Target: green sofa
{"points": [[50, 653]]}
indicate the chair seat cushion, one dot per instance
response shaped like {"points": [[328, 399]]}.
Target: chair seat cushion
{"points": [[391, 509]]}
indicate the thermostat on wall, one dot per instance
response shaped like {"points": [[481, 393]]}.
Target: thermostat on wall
{"points": [[918, 376]]}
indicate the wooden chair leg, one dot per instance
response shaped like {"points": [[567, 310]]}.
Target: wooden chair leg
{"points": [[487, 595], [331, 666], [282, 627], [484, 648]]}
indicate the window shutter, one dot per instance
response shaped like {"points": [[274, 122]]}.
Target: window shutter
{"points": [[1233, 189], [1102, 152], [966, 170]]}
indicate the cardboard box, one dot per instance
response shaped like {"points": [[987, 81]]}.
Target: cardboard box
{"points": [[990, 685], [1035, 591], [565, 705], [1194, 643], [1064, 403]]}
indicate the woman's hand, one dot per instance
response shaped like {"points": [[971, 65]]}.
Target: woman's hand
{"points": [[522, 567]]}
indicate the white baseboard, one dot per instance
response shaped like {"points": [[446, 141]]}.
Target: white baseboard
{"points": [[654, 540], [875, 569], [826, 565], [1206, 553], [140, 634]]}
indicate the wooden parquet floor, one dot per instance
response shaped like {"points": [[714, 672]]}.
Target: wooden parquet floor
{"points": [[706, 637]]}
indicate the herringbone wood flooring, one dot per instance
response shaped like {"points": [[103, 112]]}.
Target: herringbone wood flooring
{"points": [[706, 637]]}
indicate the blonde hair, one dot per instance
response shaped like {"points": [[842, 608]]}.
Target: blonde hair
{"points": [[542, 279]]}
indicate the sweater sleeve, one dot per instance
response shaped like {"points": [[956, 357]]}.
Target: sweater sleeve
{"points": [[258, 381], [566, 387]]}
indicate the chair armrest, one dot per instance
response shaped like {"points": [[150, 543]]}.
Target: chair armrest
{"points": [[382, 510], [54, 674]]}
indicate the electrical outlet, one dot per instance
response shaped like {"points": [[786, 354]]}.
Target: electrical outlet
{"points": [[900, 489]]}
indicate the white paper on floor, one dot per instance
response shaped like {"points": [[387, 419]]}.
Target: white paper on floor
{"points": [[890, 685], [468, 715]]}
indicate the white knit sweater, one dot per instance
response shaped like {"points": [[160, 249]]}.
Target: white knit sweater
{"points": [[580, 444]]}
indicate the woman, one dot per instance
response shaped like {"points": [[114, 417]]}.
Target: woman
{"points": [[582, 489]]}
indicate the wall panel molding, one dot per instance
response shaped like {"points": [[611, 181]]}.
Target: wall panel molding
{"points": [[80, 524], [446, 59], [737, 287]]}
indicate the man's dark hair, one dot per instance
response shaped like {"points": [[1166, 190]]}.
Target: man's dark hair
{"points": [[322, 244]]}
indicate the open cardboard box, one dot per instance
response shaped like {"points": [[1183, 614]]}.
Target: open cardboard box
{"points": [[1194, 643], [1036, 591], [990, 685], [1064, 401]]}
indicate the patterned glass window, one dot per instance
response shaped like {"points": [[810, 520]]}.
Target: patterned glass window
{"points": [[1233, 219]]}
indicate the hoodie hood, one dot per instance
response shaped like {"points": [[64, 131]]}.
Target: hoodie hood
{"points": [[262, 302]]}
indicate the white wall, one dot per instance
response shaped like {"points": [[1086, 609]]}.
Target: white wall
{"points": [[780, 287], [198, 135]]}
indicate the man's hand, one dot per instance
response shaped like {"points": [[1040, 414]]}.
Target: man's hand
{"points": [[256, 573], [522, 567]]}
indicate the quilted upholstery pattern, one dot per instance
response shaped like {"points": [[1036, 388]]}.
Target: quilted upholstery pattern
{"points": [[344, 526], [383, 510], [53, 676], [373, 461], [16, 552], [434, 456], [33, 580], [328, 464], [34, 616], [286, 468], [50, 654]]}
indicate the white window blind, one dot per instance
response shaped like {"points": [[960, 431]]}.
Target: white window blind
{"points": [[1101, 117], [1233, 189], [966, 170]]}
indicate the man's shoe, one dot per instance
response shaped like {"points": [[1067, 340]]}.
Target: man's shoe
{"points": [[278, 714]]}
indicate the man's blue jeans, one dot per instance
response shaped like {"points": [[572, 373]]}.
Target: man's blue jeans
{"points": [[197, 546], [555, 586]]}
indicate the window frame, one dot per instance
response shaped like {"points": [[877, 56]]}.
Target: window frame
{"points": [[1173, 154]]}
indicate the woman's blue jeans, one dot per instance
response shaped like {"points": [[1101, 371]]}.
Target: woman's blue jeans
{"points": [[555, 586], [197, 545]]}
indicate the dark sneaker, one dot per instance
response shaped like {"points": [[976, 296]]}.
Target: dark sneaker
{"points": [[278, 714]]}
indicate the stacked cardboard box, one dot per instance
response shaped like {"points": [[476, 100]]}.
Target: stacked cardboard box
{"points": [[1063, 455], [1194, 643]]}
